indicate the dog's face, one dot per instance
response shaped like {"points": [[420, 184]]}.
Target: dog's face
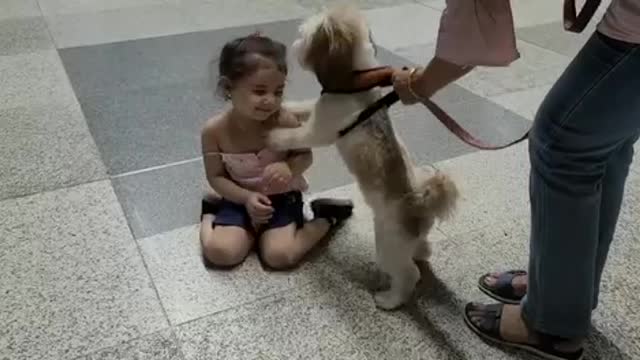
{"points": [[335, 41]]}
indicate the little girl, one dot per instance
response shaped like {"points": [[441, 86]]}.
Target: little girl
{"points": [[261, 189]]}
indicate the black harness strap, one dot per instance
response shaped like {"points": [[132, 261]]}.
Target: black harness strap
{"points": [[385, 101]]}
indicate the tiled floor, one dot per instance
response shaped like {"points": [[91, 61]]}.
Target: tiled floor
{"points": [[100, 181]]}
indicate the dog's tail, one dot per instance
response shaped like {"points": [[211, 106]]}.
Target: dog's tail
{"points": [[436, 195], [433, 197]]}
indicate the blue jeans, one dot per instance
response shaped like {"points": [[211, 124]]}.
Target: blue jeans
{"points": [[580, 149]]}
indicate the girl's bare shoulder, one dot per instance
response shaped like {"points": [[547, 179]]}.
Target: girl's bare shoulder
{"points": [[215, 124], [213, 130]]}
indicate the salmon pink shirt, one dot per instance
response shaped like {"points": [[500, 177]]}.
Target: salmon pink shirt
{"points": [[481, 32], [622, 21]]}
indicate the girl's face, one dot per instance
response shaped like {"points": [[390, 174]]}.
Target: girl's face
{"points": [[259, 95]]}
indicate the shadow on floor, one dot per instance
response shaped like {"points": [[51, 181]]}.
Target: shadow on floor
{"points": [[600, 347], [434, 291], [437, 291]]}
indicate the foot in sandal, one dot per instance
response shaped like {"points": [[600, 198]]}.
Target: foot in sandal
{"points": [[504, 325], [507, 287]]}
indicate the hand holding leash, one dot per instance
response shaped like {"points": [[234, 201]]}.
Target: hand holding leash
{"points": [[403, 85]]}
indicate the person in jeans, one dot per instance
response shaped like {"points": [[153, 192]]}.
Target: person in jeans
{"points": [[580, 150]]}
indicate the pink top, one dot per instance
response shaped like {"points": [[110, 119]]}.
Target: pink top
{"points": [[622, 21], [481, 33], [246, 170]]}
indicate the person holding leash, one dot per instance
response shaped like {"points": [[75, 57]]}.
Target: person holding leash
{"points": [[580, 150]]}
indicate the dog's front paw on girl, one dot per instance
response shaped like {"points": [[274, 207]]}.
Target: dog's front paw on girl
{"points": [[283, 139]]}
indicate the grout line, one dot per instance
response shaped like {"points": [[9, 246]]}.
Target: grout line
{"points": [[544, 49], [40, 8], [185, 31], [309, 196], [441, 232], [427, 5], [101, 157], [46, 19], [158, 167], [141, 255], [63, 187]]}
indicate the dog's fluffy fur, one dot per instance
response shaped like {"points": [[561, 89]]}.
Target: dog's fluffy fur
{"points": [[404, 202]]}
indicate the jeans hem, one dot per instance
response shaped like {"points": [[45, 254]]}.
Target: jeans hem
{"points": [[567, 331]]}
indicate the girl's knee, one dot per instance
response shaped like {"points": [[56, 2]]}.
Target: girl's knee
{"points": [[279, 256], [222, 251]]}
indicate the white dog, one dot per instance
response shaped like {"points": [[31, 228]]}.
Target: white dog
{"points": [[405, 204]]}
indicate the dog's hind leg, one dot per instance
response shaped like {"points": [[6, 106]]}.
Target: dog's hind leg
{"points": [[395, 258], [422, 251]]}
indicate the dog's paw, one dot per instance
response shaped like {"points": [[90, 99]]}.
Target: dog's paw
{"points": [[388, 300]]}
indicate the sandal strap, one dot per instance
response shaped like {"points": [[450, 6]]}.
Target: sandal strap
{"points": [[505, 280], [492, 319], [491, 315], [504, 283]]}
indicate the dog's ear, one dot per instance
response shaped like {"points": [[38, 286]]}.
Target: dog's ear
{"points": [[332, 46]]}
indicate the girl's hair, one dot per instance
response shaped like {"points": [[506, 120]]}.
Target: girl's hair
{"points": [[236, 60]]}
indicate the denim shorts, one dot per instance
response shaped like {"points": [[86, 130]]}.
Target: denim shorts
{"points": [[287, 209]]}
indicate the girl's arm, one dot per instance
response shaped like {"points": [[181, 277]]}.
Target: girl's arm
{"points": [[214, 168]]}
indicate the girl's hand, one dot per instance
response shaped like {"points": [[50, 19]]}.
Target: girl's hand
{"points": [[277, 175], [259, 208]]}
